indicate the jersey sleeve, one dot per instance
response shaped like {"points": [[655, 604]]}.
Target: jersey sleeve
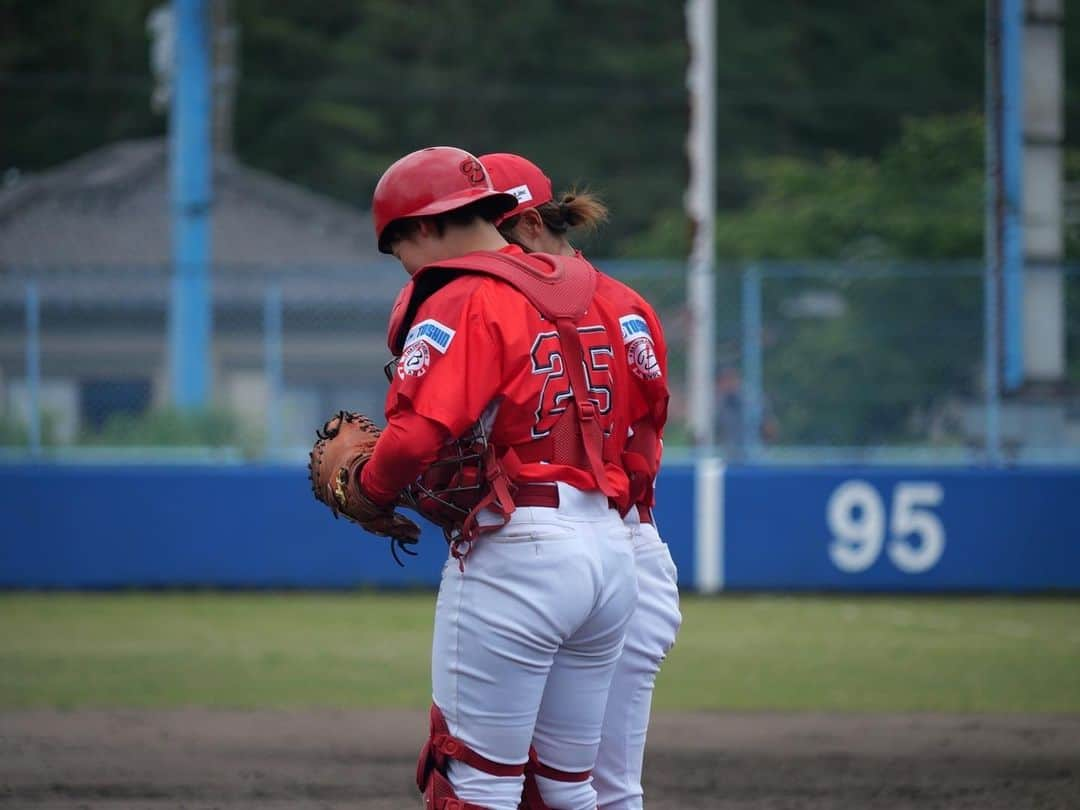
{"points": [[450, 367], [407, 447], [646, 357], [659, 394]]}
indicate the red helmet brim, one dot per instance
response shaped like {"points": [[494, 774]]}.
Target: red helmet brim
{"points": [[506, 202]]}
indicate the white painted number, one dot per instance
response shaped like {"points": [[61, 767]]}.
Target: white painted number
{"points": [[910, 516], [857, 522], [856, 517]]}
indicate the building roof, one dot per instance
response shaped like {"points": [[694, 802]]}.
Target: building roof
{"points": [[112, 207]]}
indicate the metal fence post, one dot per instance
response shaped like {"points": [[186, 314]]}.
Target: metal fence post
{"points": [[272, 360], [1011, 158], [991, 364], [997, 226], [751, 360], [33, 368]]}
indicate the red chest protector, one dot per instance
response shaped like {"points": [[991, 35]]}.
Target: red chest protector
{"points": [[561, 288]]}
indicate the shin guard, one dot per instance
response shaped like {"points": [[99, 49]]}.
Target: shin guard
{"points": [[435, 756], [531, 798]]}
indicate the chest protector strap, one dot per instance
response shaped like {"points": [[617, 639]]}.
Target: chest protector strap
{"points": [[397, 328], [561, 288]]}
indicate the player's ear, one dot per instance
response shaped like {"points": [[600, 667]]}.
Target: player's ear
{"points": [[531, 224], [425, 228]]}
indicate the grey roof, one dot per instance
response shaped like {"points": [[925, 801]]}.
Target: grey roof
{"points": [[111, 207]]}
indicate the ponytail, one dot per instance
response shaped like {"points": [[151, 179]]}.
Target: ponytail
{"points": [[582, 209], [575, 209]]}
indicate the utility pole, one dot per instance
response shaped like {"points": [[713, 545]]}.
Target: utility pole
{"points": [[701, 207]]}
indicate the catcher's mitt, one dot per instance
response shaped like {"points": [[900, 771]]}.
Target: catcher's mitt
{"points": [[344, 445]]}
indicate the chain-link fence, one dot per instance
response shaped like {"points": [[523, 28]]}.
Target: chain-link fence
{"points": [[813, 361], [84, 358], [867, 357]]}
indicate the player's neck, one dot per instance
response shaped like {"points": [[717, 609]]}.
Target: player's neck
{"points": [[478, 235]]}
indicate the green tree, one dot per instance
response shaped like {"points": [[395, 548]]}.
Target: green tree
{"points": [[593, 90], [73, 76], [901, 333], [922, 200], [172, 428]]}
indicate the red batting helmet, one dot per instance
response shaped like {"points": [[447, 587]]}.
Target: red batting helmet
{"points": [[520, 177], [431, 181]]}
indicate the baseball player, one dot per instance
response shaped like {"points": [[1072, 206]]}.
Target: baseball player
{"points": [[539, 223], [535, 597]]}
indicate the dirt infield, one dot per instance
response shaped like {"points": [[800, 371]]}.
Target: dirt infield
{"points": [[197, 759]]}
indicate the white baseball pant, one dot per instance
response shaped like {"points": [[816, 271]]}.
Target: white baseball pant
{"points": [[525, 645], [649, 636]]}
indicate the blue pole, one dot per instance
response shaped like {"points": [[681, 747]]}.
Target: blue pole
{"points": [[189, 144], [752, 362], [272, 359], [33, 368], [993, 252], [1012, 178]]}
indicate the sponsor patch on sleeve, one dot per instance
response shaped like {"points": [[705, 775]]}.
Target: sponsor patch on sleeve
{"points": [[634, 327], [431, 332]]}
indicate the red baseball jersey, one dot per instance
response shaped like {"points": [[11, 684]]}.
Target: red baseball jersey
{"points": [[477, 348], [645, 353], [644, 349]]}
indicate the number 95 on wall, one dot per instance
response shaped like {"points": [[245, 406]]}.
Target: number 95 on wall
{"points": [[865, 523]]}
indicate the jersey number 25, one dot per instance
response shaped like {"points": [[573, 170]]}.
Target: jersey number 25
{"points": [[555, 395]]}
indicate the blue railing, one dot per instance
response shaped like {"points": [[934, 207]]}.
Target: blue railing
{"points": [[818, 361]]}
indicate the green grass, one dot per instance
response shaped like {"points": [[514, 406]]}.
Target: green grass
{"points": [[371, 650], [876, 654], [208, 649]]}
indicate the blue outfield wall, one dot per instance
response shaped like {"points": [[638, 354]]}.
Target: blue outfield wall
{"points": [[901, 529], [896, 529], [177, 526]]}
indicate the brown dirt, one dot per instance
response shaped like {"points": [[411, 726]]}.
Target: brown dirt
{"points": [[199, 759]]}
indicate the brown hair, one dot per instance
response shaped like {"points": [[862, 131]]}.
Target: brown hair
{"points": [[575, 209]]}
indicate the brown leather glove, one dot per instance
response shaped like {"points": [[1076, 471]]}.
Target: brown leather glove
{"points": [[344, 445]]}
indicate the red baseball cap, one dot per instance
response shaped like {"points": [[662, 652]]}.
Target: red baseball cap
{"points": [[513, 174]]}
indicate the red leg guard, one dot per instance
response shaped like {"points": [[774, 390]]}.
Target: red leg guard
{"points": [[531, 798], [439, 795], [440, 748]]}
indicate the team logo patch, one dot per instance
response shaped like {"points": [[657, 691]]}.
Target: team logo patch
{"points": [[431, 332], [521, 192], [414, 361], [634, 327], [641, 356], [473, 171]]}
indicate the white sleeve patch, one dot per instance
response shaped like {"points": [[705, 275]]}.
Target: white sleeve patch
{"points": [[640, 352], [435, 334], [634, 327]]}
